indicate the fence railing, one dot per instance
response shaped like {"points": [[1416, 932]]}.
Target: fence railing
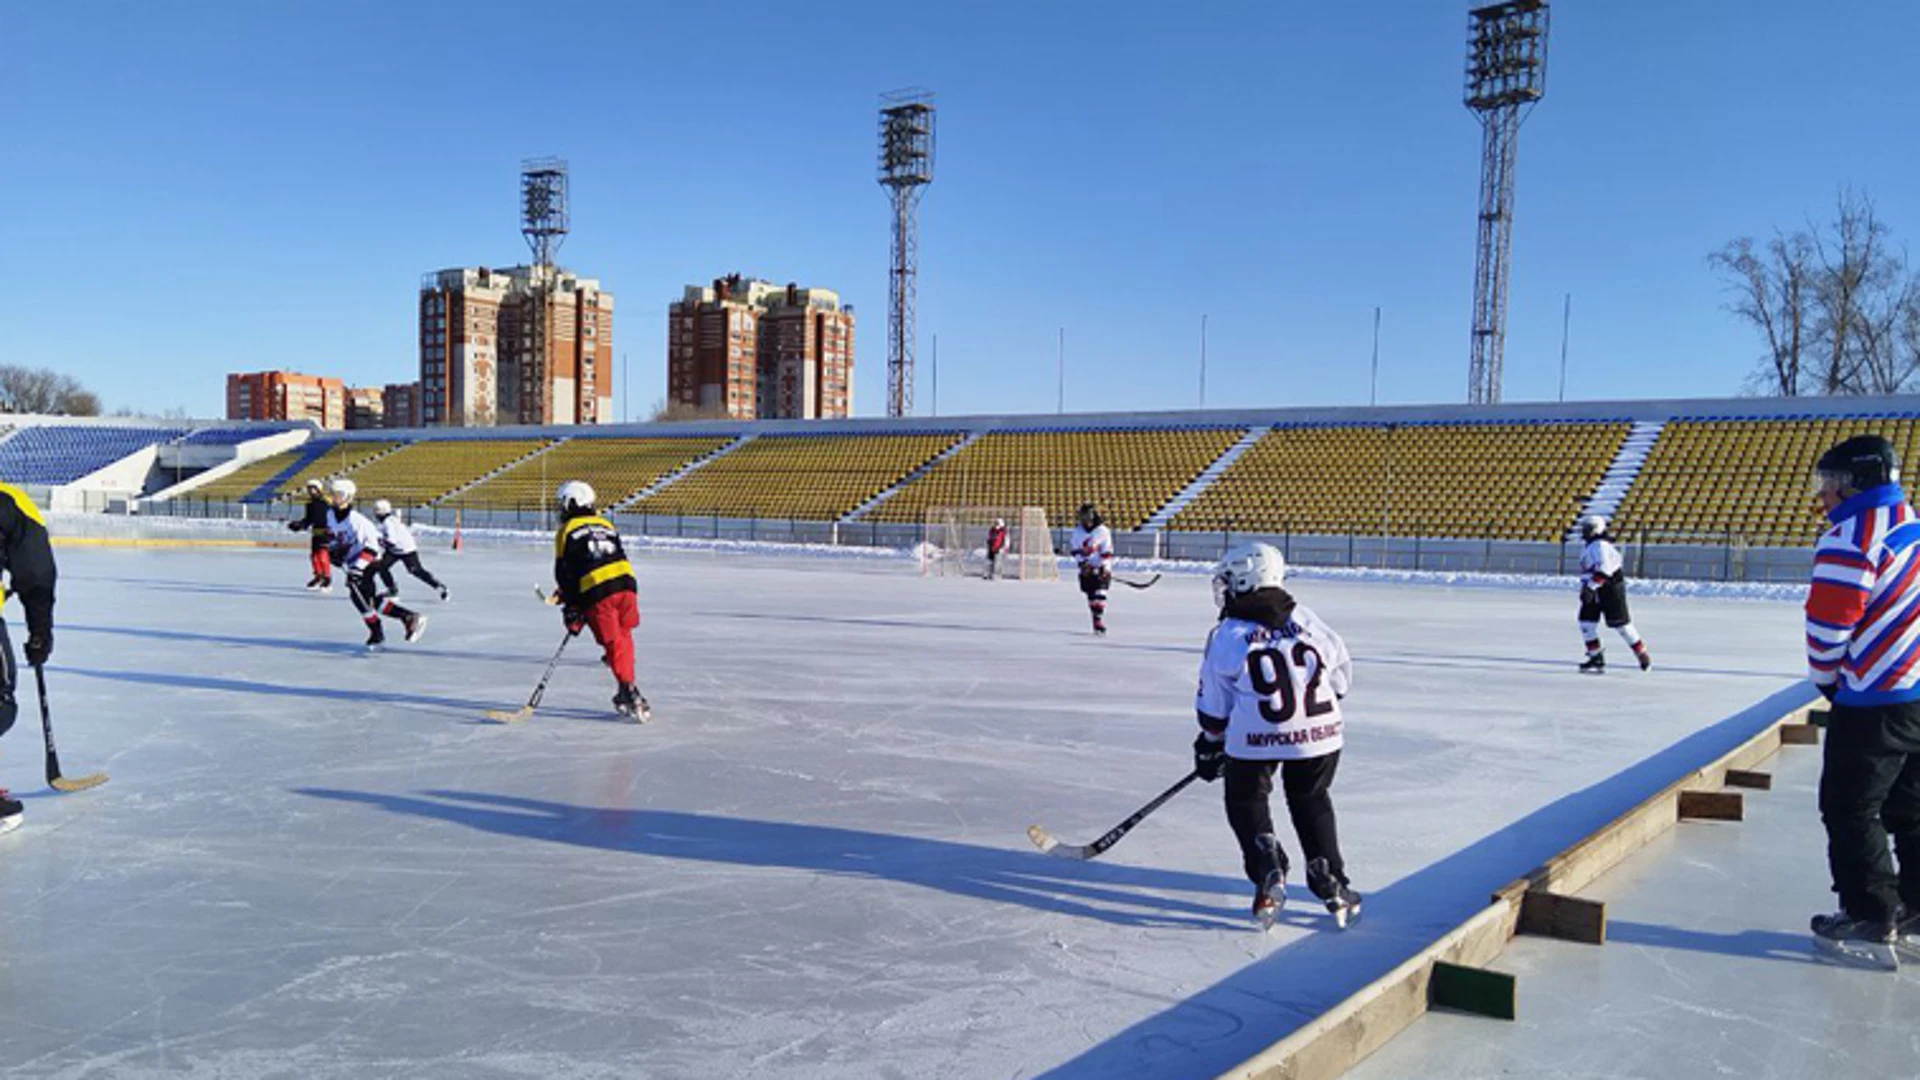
{"points": [[1688, 557]]}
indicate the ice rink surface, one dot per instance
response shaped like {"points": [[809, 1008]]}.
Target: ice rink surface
{"points": [[315, 863]]}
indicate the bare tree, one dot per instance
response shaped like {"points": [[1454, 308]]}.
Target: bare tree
{"points": [[1771, 291], [37, 390], [665, 411], [1836, 304]]}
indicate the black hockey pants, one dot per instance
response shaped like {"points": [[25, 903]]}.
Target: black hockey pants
{"points": [[411, 560], [9, 679], [1870, 790], [1249, 789], [360, 589]]}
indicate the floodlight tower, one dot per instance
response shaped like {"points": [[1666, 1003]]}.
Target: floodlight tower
{"points": [[906, 168], [543, 221], [1506, 75]]}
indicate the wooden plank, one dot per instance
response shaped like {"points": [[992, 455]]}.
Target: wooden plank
{"points": [[1748, 778], [1799, 734], [1473, 989], [1569, 918], [1712, 805], [1330, 1044]]}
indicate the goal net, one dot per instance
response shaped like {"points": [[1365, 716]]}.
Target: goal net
{"points": [[953, 543]]}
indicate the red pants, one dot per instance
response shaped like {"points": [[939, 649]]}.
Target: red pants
{"points": [[612, 619], [322, 565]]}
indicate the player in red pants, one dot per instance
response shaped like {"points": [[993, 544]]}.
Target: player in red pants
{"points": [[597, 589]]}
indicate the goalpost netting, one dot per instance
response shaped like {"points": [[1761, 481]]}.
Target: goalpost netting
{"points": [[953, 543]]}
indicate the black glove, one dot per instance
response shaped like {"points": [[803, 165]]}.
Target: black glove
{"points": [[1826, 691], [296, 524], [39, 647], [576, 621], [1209, 757]]}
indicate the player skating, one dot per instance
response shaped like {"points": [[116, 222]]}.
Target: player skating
{"points": [[1863, 610], [996, 543], [314, 520], [1271, 681], [597, 589], [399, 546], [26, 556], [1603, 594], [358, 542], [1093, 553]]}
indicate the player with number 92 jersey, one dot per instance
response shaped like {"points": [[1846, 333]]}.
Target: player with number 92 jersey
{"points": [[1279, 688]]}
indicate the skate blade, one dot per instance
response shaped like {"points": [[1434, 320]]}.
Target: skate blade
{"points": [[1344, 917], [1871, 955], [1266, 919], [8, 824], [78, 783]]}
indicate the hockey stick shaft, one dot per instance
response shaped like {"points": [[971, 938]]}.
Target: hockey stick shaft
{"points": [[539, 689], [54, 779], [1111, 836]]}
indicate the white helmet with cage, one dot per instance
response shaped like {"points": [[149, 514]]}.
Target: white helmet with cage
{"points": [[1592, 525], [343, 490], [574, 496], [1247, 568], [382, 508]]}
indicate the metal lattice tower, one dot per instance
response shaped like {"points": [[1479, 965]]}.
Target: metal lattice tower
{"points": [[1506, 75], [543, 221], [906, 168]]}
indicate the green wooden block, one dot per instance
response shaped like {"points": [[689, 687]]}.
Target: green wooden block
{"points": [[1471, 989]]}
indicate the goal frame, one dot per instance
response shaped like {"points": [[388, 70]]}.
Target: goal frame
{"points": [[953, 543]]}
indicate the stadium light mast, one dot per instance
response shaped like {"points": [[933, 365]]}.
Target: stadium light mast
{"points": [[543, 221], [906, 168], [1506, 75]]}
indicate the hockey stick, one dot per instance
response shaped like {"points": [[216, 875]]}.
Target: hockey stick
{"points": [[514, 716], [1147, 584], [54, 779], [551, 599], [1045, 841]]}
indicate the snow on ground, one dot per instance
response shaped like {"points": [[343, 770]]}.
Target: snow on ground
{"points": [[311, 862]]}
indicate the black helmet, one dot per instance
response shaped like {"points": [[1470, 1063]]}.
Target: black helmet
{"points": [[1088, 517], [1862, 462]]}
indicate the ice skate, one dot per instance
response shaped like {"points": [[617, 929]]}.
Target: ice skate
{"points": [[1594, 664], [443, 594], [1907, 935], [314, 583], [1342, 902], [629, 703], [1099, 628], [1857, 941], [1640, 653], [415, 626], [10, 812], [1271, 895], [376, 638]]}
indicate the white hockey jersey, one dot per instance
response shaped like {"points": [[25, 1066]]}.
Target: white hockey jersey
{"points": [[351, 530], [1092, 550], [396, 537], [1599, 560], [1279, 690]]}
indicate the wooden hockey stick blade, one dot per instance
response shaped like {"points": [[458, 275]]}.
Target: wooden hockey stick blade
{"points": [[78, 783], [1044, 840], [550, 599], [509, 716]]}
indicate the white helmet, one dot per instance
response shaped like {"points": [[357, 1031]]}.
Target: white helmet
{"points": [[1245, 568], [344, 491], [1592, 525], [314, 485], [574, 495], [999, 523], [382, 508]]}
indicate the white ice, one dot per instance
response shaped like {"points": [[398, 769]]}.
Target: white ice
{"points": [[813, 863]]}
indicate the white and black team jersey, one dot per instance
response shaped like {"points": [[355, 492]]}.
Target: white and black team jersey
{"points": [[1279, 690], [360, 538], [396, 537], [1093, 549], [1599, 561]]}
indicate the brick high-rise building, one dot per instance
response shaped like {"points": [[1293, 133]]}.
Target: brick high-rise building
{"points": [[287, 395], [366, 408], [400, 405], [748, 349], [480, 364]]}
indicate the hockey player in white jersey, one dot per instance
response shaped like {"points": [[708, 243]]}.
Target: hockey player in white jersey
{"points": [[1271, 683], [401, 548], [357, 542], [1092, 548], [1603, 594]]}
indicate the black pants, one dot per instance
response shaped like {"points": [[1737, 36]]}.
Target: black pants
{"points": [[1870, 790], [360, 589], [1095, 583], [411, 560], [9, 679], [1249, 786]]}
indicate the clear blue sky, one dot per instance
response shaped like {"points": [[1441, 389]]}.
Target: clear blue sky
{"points": [[191, 188]]}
